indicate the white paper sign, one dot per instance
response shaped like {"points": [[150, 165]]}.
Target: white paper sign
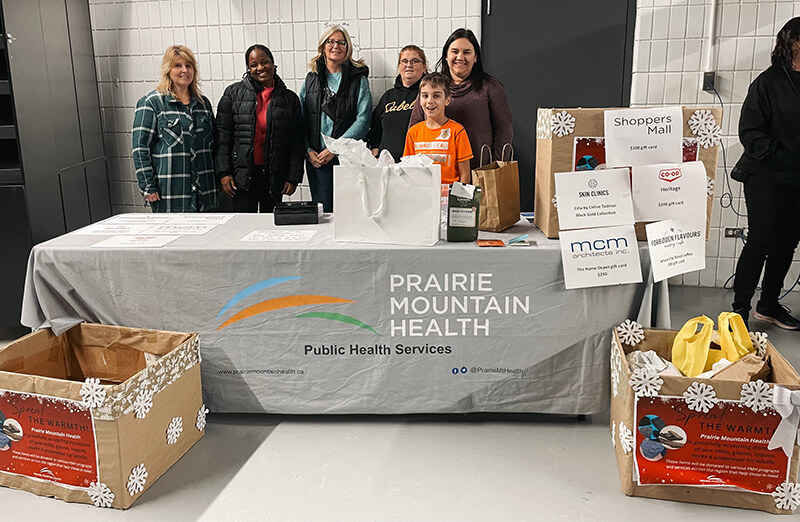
{"points": [[600, 257], [670, 190], [181, 229], [200, 218], [595, 198], [676, 247], [139, 219], [643, 136], [111, 229], [279, 235], [143, 241]]}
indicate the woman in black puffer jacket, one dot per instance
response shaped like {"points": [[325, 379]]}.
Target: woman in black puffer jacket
{"points": [[260, 136]]}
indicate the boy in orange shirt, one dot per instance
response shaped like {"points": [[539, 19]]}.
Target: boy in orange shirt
{"points": [[439, 137]]}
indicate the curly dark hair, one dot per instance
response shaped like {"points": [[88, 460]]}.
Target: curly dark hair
{"points": [[785, 51]]}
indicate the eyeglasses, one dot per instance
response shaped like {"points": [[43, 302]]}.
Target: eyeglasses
{"points": [[413, 61], [331, 43]]}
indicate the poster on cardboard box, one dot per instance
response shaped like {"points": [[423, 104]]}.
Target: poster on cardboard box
{"points": [[670, 190], [594, 199], [600, 257], [590, 153], [676, 247], [727, 446], [47, 438], [643, 136]]}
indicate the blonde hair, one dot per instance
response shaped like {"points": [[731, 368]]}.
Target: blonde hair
{"points": [[415, 49], [321, 48], [172, 55]]}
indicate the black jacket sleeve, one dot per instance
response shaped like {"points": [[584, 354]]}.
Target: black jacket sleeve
{"points": [[755, 126], [223, 136], [297, 151]]}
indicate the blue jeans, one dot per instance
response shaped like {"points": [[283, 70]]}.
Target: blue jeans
{"points": [[321, 183]]}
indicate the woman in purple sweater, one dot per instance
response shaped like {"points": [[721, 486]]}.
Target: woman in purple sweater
{"points": [[478, 100]]}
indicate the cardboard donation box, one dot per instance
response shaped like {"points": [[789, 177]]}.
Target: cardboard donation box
{"points": [[573, 140], [97, 413], [728, 440]]}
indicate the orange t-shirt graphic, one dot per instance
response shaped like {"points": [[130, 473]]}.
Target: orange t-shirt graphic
{"points": [[447, 146]]}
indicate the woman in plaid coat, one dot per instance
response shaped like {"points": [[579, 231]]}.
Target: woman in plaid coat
{"points": [[173, 138]]}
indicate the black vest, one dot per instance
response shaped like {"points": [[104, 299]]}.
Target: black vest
{"points": [[346, 101]]}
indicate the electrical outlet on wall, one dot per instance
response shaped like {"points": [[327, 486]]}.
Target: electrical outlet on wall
{"points": [[735, 232], [709, 81]]}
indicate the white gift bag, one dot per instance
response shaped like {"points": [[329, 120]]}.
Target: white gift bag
{"points": [[395, 204]]}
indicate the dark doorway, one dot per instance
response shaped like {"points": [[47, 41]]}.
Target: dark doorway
{"points": [[571, 53]]}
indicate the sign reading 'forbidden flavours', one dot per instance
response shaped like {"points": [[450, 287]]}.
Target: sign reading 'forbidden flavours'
{"points": [[47, 438]]}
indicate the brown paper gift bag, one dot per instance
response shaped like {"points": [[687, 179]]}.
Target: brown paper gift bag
{"points": [[499, 183]]}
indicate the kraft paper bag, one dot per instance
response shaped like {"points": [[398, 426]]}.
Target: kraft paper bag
{"points": [[393, 205], [499, 182]]}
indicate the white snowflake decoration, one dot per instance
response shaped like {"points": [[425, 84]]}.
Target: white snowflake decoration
{"points": [[613, 435], [787, 496], [554, 201], [137, 479], [756, 395], [645, 382], [710, 186], [700, 397], [625, 438], [759, 340], [143, 402], [616, 367], [201, 418], [709, 137], [630, 332], [562, 123], [93, 393], [174, 430], [100, 494], [701, 119]]}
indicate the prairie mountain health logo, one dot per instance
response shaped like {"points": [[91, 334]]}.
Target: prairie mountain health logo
{"points": [[284, 302]]}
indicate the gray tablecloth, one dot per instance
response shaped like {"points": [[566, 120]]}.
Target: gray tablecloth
{"points": [[354, 328]]}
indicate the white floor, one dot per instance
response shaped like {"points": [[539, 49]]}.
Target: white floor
{"points": [[422, 467]]}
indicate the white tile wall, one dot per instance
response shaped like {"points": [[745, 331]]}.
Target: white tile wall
{"points": [[130, 37], [667, 69]]}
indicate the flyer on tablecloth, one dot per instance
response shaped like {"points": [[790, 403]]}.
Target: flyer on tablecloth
{"points": [[643, 136], [279, 235], [600, 257], [111, 229], [726, 446], [676, 247], [594, 199], [141, 218], [180, 229], [143, 241], [47, 438], [670, 190], [199, 219]]}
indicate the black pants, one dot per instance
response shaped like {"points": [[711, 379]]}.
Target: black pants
{"points": [[773, 220], [261, 196]]}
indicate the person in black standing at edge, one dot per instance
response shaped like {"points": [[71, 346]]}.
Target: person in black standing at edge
{"points": [[769, 129], [260, 136], [391, 115]]}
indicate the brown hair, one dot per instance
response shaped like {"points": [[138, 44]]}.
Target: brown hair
{"points": [[321, 48], [172, 55], [437, 79], [415, 49]]}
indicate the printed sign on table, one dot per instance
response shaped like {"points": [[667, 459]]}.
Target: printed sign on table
{"points": [[47, 438], [600, 257], [727, 446], [670, 190], [643, 136], [594, 199], [676, 247]]}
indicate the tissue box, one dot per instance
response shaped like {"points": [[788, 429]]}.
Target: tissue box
{"points": [[98, 413], [700, 440]]}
